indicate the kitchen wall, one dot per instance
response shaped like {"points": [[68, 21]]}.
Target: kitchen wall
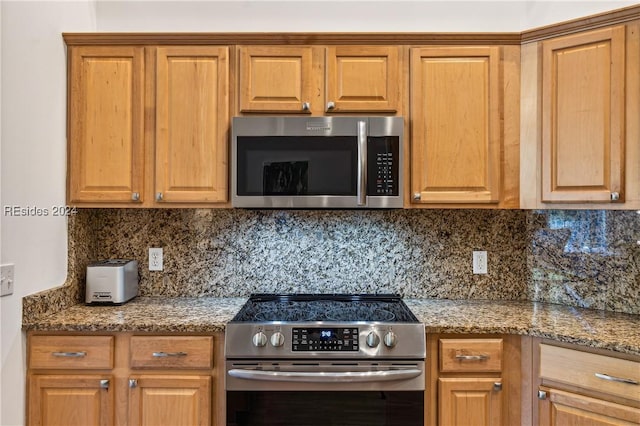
{"points": [[579, 258], [33, 97]]}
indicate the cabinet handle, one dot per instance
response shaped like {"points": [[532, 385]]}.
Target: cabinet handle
{"points": [[168, 354], [69, 354], [158, 196], [615, 196], [497, 386], [617, 379], [104, 384], [306, 106], [417, 196], [133, 383], [481, 357], [542, 394], [135, 196], [331, 105]]}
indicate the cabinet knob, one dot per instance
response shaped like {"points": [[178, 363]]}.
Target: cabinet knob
{"points": [[417, 196], [135, 196], [331, 105], [133, 383], [104, 384], [615, 196], [158, 196], [306, 106], [497, 386], [542, 394]]}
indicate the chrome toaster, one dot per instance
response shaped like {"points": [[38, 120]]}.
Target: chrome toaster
{"points": [[113, 281]]}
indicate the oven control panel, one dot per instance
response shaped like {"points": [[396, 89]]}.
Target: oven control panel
{"points": [[324, 339]]}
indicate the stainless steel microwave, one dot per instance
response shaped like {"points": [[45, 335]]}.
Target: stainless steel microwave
{"points": [[317, 162]]}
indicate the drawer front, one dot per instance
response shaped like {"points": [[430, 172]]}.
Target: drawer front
{"points": [[171, 352], [615, 376], [470, 355], [71, 352]]}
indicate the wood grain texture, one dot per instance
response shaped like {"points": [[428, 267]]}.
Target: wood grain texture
{"points": [[469, 401], [197, 350], [45, 352], [452, 348]]}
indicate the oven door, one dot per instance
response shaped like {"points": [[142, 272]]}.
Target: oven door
{"points": [[300, 393]]}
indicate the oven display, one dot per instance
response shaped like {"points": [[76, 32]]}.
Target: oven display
{"points": [[322, 339]]}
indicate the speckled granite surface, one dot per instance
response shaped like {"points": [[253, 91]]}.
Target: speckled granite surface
{"points": [[599, 329]]}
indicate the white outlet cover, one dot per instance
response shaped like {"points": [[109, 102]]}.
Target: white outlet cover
{"points": [[155, 259], [480, 262]]}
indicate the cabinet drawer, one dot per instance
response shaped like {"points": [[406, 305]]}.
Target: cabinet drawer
{"points": [[591, 371], [470, 355], [171, 351], [71, 352]]}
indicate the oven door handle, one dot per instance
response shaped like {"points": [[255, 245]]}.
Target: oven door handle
{"points": [[325, 377]]}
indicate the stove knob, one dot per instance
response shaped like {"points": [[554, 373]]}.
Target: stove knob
{"points": [[277, 339], [390, 339], [259, 339], [372, 340]]}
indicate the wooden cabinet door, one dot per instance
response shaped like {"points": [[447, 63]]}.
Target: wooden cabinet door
{"points": [[275, 79], [564, 408], [469, 401], [192, 120], [106, 124], [363, 78], [583, 119], [70, 400], [456, 131], [170, 400]]}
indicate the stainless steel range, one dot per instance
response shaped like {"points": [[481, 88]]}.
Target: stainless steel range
{"points": [[316, 359]]}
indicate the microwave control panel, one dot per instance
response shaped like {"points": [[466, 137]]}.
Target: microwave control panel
{"points": [[383, 165]]}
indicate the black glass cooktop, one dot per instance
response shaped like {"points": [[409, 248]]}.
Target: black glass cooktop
{"points": [[325, 307]]}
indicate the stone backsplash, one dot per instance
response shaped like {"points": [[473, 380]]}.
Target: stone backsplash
{"points": [[580, 258]]}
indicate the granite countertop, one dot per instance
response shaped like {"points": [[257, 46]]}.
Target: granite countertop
{"points": [[593, 328]]}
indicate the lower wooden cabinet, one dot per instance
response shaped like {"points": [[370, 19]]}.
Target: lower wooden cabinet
{"points": [[183, 400], [473, 380], [125, 379]]}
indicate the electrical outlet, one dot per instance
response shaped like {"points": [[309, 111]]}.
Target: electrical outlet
{"points": [[155, 259], [7, 280], [480, 262]]}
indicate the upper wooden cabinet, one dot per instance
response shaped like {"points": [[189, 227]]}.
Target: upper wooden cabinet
{"points": [[458, 147], [106, 124], [583, 120], [318, 80], [148, 125], [192, 119], [579, 137]]}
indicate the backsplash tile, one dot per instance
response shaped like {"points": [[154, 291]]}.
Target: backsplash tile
{"points": [[581, 258]]}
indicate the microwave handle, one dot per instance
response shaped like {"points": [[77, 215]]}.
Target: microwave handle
{"points": [[362, 163]]}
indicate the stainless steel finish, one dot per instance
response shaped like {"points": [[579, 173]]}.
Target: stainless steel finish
{"points": [[309, 126], [497, 386], [615, 196], [111, 281], [133, 383], [325, 377], [69, 354], [104, 384], [390, 339], [277, 339], [168, 354], [362, 163], [373, 340], [240, 341], [617, 379], [278, 374], [158, 196], [331, 105], [417, 196], [480, 357], [135, 196], [306, 106], [259, 339], [542, 394]]}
